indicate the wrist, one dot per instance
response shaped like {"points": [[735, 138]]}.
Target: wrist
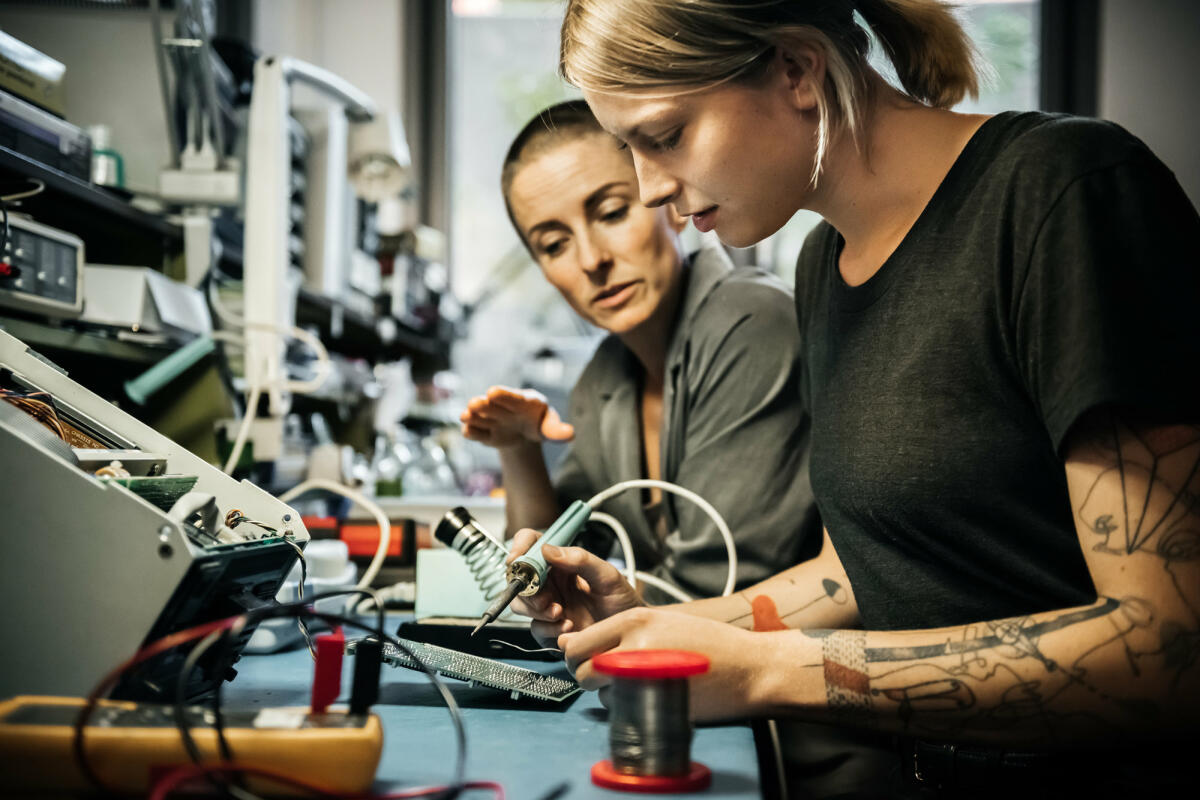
{"points": [[522, 448], [787, 673]]}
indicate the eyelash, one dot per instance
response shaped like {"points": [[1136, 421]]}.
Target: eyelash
{"points": [[555, 248], [670, 142]]}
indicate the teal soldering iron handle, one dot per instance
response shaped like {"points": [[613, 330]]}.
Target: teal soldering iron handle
{"points": [[531, 568]]}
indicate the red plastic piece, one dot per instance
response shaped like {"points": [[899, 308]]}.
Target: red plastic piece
{"points": [[327, 673], [651, 663], [362, 539], [698, 777]]}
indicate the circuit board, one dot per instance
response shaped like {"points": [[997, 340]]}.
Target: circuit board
{"points": [[162, 490], [488, 672]]}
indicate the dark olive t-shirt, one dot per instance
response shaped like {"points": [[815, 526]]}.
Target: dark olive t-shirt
{"points": [[1054, 271]]}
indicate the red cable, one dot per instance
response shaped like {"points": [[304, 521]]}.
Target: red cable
{"points": [[173, 780], [147, 652]]}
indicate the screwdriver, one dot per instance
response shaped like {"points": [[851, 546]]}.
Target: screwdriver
{"points": [[528, 572]]}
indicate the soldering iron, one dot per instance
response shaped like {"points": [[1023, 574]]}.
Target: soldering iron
{"points": [[527, 573]]}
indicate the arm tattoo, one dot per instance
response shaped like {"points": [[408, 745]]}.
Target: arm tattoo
{"points": [[1130, 659], [831, 591]]}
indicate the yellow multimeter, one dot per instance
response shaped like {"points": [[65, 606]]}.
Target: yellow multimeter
{"points": [[130, 745]]}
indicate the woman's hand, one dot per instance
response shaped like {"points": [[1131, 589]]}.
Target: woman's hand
{"points": [[742, 662], [505, 417], [580, 590]]}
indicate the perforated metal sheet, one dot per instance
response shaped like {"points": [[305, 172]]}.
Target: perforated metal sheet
{"points": [[479, 670]]}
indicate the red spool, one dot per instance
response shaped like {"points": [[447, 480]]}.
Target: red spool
{"points": [[650, 666]]}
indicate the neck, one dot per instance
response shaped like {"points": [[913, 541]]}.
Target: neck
{"points": [[872, 195]]}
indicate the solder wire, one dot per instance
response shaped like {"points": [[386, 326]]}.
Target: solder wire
{"points": [[649, 732]]}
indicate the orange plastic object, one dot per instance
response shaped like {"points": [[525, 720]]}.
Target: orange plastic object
{"points": [[363, 539], [604, 774], [651, 663]]}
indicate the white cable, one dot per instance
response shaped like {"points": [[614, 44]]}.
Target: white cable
{"points": [[664, 586], [385, 527], [244, 429], [324, 365], [718, 520], [632, 574], [623, 538], [41, 187]]}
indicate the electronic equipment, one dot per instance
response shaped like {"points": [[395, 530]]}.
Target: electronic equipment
{"points": [[129, 744], [138, 300], [32, 75], [44, 138], [528, 572], [45, 273], [516, 681], [99, 560]]}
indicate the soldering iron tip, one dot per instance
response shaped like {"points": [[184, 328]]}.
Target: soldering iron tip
{"points": [[479, 627]]}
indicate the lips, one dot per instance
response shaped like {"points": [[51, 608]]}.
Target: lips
{"points": [[614, 295], [705, 220]]}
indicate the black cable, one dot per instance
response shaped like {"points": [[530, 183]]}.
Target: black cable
{"points": [[455, 787], [301, 610], [4, 234]]}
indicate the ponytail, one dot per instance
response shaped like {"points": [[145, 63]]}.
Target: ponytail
{"points": [[932, 54]]}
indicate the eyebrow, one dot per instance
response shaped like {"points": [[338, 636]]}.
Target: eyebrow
{"points": [[589, 203]]}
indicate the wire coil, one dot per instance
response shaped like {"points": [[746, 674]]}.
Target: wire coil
{"points": [[650, 734], [482, 552]]}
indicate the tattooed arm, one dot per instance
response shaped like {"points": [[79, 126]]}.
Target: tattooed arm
{"points": [[814, 594], [584, 589], [1123, 666]]}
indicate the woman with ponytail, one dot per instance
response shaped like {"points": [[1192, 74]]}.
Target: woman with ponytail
{"points": [[999, 344]]}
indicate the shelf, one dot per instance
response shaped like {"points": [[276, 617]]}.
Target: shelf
{"points": [[113, 231], [52, 338], [358, 336]]}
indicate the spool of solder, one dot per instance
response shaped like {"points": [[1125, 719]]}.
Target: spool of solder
{"points": [[650, 735]]}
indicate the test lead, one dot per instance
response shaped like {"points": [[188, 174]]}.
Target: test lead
{"points": [[528, 572]]}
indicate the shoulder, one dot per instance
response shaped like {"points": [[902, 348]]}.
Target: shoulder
{"points": [[607, 366], [745, 301], [1041, 152]]}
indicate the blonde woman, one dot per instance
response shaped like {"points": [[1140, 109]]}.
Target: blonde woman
{"points": [[999, 343], [679, 385]]}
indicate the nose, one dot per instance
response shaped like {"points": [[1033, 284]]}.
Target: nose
{"points": [[655, 186], [593, 254]]}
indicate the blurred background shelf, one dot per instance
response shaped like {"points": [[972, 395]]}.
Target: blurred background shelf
{"points": [[113, 230]]}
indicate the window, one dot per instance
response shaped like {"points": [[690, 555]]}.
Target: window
{"points": [[503, 69], [1007, 34]]}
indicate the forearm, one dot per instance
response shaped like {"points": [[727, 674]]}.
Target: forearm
{"points": [[814, 594], [529, 497], [1102, 673]]}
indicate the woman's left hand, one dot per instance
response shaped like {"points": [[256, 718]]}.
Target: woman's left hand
{"points": [[735, 685]]}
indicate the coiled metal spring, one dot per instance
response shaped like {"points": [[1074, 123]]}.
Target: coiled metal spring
{"points": [[483, 552]]}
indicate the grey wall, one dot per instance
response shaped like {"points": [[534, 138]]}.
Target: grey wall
{"points": [[1149, 65]]}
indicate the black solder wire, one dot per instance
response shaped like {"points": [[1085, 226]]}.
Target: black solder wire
{"points": [[649, 732]]}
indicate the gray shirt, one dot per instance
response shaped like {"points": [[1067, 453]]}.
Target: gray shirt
{"points": [[733, 431]]}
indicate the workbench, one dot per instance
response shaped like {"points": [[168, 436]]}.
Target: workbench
{"points": [[530, 749]]}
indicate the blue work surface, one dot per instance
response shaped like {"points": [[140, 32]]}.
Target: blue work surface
{"points": [[528, 748]]}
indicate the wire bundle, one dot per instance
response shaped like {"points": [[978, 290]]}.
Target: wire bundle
{"points": [[220, 634]]}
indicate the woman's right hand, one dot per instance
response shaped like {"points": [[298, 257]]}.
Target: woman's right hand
{"points": [[506, 417], [580, 589]]}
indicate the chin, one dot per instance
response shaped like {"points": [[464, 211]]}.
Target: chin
{"points": [[742, 236]]}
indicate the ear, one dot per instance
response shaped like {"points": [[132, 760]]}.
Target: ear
{"points": [[800, 68], [674, 219]]}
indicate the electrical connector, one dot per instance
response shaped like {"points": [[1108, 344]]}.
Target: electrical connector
{"points": [[327, 673], [364, 691]]}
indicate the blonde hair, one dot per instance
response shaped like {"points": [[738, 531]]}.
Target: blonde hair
{"points": [[612, 46]]}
